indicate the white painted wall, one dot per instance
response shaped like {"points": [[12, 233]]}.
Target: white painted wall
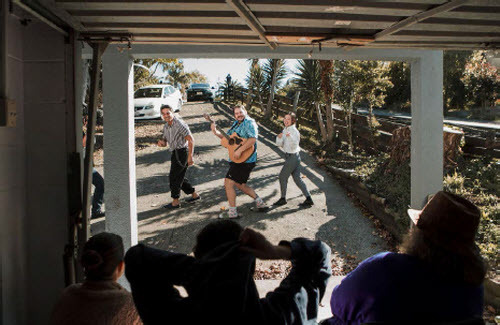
{"points": [[33, 191]]}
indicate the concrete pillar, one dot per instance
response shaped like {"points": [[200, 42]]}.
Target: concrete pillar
{"points": [[426, 127], [119, 151]]}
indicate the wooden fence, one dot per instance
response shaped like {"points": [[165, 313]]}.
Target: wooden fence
{"points": [[486, 145]]}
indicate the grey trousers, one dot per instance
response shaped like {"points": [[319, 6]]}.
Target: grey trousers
{"points": [[292, 167]]}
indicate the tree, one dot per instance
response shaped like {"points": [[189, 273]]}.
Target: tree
{"points": [[344, 84], [235, 85], [372, 84], [327, 88], [274, 73], [196, 76], [481, 80], [176, 75], [360, 81], [251, 81], [398, 95], [255, 79], [143, 77], [454, 94], [308, 81]]}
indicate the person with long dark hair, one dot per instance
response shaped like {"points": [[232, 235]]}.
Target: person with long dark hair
{"points": [[437, 277], [289, 140], [99, 299]]}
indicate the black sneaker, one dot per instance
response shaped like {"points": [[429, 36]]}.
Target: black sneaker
{"points": [[307, 203], [193, 199], [281, 201], [97, 214], [171, 207]]}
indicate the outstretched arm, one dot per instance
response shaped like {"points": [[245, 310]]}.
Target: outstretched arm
{"points": [[255, 243], [214, 130], [152, 274]]}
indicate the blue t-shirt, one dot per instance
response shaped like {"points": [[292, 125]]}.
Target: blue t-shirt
{"points": [[246, 129], [391, 287]]}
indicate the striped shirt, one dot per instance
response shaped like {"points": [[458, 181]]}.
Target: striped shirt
{"points": [[246, 129], [176, 134]]}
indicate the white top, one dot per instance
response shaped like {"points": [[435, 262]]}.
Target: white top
{"points": [[290, 139]]}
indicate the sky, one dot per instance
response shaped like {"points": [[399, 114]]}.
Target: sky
{"points": [[216, 70]]}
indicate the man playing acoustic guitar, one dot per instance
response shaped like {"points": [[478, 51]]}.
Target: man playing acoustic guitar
{"points": [[238, 173]]}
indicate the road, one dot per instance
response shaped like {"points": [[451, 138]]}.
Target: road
{"points": [[486, 125]]}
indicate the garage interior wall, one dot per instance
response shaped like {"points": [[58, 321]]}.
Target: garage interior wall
{"points": [[33, 169], [13, 177]]}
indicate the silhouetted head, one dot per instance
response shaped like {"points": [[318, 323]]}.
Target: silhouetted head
{"points": [[444, 237], [102, 257], [215, 234]]}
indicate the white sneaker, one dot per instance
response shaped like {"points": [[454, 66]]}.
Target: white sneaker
{"points": [[260, 205]]}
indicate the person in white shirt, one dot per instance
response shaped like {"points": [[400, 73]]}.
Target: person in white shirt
{"points": [[289, 140]]}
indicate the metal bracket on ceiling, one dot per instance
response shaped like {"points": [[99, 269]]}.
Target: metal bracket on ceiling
{"points": [[106, 37], [94, 39]]}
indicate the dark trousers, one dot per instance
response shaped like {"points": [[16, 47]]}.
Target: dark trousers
{"points": [[98, 182], [178, 169]]}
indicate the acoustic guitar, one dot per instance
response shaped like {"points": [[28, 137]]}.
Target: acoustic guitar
{"points": [[232, 143]]}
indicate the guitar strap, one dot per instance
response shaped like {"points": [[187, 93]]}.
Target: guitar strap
{"points": [[236, 124]]}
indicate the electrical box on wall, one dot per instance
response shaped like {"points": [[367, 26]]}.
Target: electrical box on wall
{"points": [[8, 112]]}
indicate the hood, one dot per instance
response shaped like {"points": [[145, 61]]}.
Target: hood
{"points": [[146, 101], [223, 281]]}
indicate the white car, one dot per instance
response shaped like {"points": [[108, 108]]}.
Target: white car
{"points": [[148, 100]]}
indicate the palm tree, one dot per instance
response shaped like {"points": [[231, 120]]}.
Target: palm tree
{"points": [[146, 76], [308, 81], [255, 78], [327, 87], [234, 84], [250, 80], [196, 77], [177, 76], [275, 72]]}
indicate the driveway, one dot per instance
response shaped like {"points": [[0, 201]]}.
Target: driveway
{"points": [[333, 219]]}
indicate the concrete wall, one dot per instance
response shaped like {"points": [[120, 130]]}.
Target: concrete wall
{"points": [[46, 188], [33, 186]]}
